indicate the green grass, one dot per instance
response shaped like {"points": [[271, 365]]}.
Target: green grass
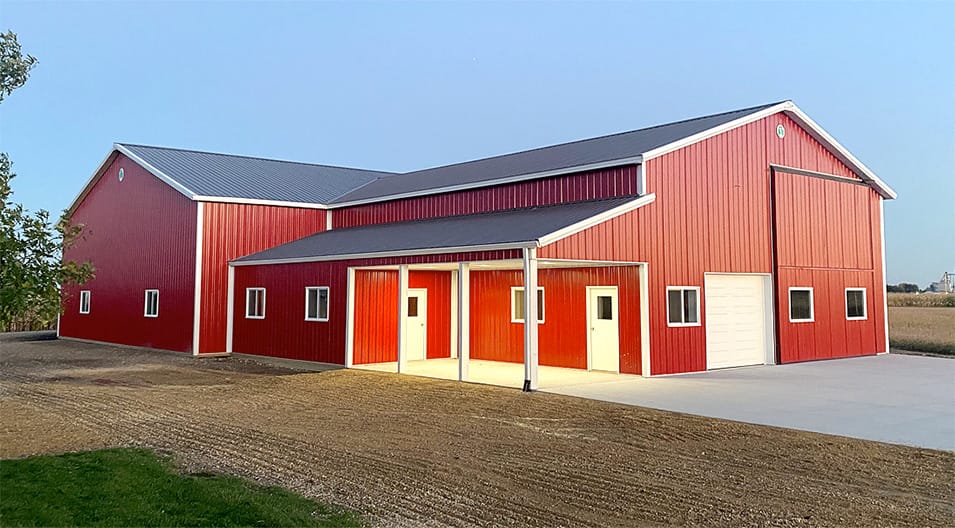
{"points": [[135, 487]]}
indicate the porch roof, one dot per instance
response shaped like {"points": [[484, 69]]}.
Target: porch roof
{"points": [[511, 229]]}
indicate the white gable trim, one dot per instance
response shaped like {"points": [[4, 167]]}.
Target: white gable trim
{"points": [[253, 201], [155, 172], [595, 220], [803, 120]]}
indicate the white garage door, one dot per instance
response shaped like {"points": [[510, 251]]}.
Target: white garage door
{"points": [[737, 326]]}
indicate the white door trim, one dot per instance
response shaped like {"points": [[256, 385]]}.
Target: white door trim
{"points": [[768, 311], [590, 351]]}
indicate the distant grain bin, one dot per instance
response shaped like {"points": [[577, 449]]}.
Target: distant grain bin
{"points": [[945, 285]]}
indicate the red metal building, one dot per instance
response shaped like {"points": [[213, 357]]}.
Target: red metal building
{"points": [[748, 237]]}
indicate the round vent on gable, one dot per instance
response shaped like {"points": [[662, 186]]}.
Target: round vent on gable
{"points": [[122, 174], [780, 131]]}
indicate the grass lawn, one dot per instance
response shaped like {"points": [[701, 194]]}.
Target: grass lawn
{"points": [[922, 329], [135, 487]]}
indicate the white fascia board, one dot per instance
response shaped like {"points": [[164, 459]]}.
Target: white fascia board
{"points": [[155, 172], [710, 132], [596, 219], [253, 201], [91, 181], [840, 152], [489, 183], [387, 254]]}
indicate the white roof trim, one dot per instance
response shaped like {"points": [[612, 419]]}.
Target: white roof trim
{"points": [[840, 152], [542, 241], [386, 254], [596, 219], [488, 183], [89, 183], [155, 172], [253, 201], [800, 117]]}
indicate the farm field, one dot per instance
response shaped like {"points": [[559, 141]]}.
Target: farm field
{"points": [[922, 329], [406, 451]]}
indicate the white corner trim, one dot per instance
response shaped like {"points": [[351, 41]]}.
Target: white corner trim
{"points": [[154, 171], [596, 219], [488, 183], [197, 296], [230, 310], [645, 321], [395, 253], [710, 132], [840, 152], [328, 220], [885, 295], [253, 201], [350, 319]]}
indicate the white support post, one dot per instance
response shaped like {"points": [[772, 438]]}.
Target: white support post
{"points": [[644, 321], [464, 319], [402, 318], [350, 320], [530, 319], [230, 309], [454, 314]]}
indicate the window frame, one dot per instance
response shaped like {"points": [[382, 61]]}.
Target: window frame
{"points": [[88, 296], [328, 301], [865, 305], [146, 303], [812, 304], [682, 289], [248, 292], [540, 305]]}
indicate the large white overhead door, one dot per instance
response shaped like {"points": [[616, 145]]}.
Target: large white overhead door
{"points": [[738, 324]]}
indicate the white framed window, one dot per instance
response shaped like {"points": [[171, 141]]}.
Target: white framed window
{"points": [[683, 306], [800, 305], [255, 303], [855, 304], [151, 304], [517, 304], [85, 302], [316, 303]]}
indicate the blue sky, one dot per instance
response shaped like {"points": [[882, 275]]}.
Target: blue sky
{"points": [[401, 86]]}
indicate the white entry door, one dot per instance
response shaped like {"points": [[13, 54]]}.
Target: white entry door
{"points": [[738, 329], [416, 325], [603, 322]]}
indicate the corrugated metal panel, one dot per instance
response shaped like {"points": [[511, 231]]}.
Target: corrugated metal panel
{"points": [[563, 335], [139, 234], [231, 176], [712, 214], [498, 228], [234, 230], [594, 150], [607, 183]]}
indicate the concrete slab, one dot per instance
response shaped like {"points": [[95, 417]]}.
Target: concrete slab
{"points": [[891, 398]]}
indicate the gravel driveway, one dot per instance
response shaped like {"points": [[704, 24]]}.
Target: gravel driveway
{"points": [[419, 452]]}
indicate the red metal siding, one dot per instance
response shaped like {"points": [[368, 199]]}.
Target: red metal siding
{"points": [[619, 181], [284, 332], [234, 230], [563, 335], [712, 214], [828, 239], [140, 234]]}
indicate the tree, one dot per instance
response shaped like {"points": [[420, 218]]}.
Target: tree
{"points": [[32, 268]]}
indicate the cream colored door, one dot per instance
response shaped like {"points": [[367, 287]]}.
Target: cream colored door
{"points": [[603, 319], [416, 325]]}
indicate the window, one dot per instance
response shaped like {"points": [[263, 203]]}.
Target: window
{"points": [[605, 307], [517, 305], [85, 302], [683, 305], [855, 304], [316, 303], [152, 304], [255, 303], [800, 305], [412, 307]]}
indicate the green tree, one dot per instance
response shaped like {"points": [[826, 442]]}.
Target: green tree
{"points": [[32, 268]]}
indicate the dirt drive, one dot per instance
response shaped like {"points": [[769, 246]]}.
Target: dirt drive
{"points": [[411, 451]]}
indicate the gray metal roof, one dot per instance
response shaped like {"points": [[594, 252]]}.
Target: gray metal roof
{"points": [[504, 227], [577, 153], [230, 176]]}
